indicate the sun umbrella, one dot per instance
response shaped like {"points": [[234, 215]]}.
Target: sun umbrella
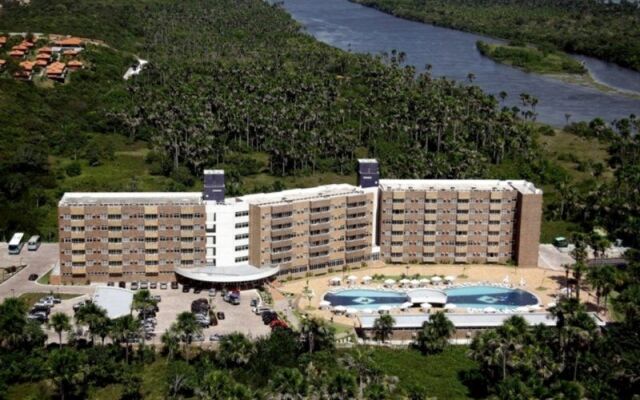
{"points": [[367, 311], [404, 281], [551, 305], [506, 279], [385, 308], [424, 281], [535, 307], [415, 282], [449, 278], [425, 306], [339, 309], [450, 306], [436, 279], [350, 311], [523, 282], [490, 310], [324, 304], [366, 279], [352, 278], [522, 309], [389, 282], [335, 280]]}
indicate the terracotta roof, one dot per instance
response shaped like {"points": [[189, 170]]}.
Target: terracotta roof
{"points": [[16, 53], [43, 56], [72, 41], [2, 62], [56, 68], [45, 50], [20, 47], [42, 63], [3, 39], [75, 63], [70, 52], [27, 65], [27, 43]]}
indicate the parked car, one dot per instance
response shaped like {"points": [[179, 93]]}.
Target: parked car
{"points": [[110, 283], [122, 284], [33, 277], [38, 316], [215, 337], [185, 289], [254, 302], [163, 286], [157, 298], [134, 285], [197, 290], [220, 315], [153, 285], [212, 292], [261, 309], [144, 285], [174, 285]]}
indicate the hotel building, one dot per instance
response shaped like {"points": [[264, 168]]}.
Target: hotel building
{"points": [[243, 240]]}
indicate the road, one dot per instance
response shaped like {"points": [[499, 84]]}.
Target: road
{"points": [[38, 262]]}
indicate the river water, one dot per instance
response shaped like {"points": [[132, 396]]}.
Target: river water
{"points": [[453, 54]]}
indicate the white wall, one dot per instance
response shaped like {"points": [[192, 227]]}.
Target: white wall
{"points": [[221, 244]]}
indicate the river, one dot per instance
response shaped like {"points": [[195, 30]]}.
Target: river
{"points": [[453, 54]]}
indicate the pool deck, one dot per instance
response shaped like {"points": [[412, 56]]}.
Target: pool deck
{"points": [[544, 283]]}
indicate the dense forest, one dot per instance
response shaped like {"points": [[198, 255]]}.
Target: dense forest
{"points": [[602, 29], [237, 85]]}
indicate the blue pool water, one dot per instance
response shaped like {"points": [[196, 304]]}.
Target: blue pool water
{"points": [[489, 296], [463, 297], [366, 298]]}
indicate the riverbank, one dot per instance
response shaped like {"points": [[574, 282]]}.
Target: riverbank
{"points": [[532, 59], [548, 62]]}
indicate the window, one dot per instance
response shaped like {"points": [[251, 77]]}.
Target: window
{"points": [[242, 259], [242, 213], [242, 225], [241, 248], [242, 236]]}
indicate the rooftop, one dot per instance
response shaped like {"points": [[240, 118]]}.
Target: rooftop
{"points": [[116, 301], [468, 320], [458, 184], [292, 195], [130, 198]]}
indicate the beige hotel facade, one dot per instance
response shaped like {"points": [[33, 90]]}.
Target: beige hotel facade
{"points": [[206, 237]]}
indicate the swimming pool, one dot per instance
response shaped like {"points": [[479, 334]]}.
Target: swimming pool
{"points": [[463, 297], [490, 296], [366, 298]]}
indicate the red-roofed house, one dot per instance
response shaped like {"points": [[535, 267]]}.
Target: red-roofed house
{"points": [[3, 41], [57, 71], [3, 63], [17, 54], [75, 65], [45, 50], [26, 71], [70, 42]]}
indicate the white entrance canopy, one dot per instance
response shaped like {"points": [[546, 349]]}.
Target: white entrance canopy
{"points": [[234, 274]]}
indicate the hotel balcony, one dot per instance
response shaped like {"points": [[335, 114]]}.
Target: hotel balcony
{"points": [[78, 271], [115, 270], [151, 269], [78, 246]]}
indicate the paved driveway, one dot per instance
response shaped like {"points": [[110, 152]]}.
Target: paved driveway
{"points": [[552, 258], [38, 262]]}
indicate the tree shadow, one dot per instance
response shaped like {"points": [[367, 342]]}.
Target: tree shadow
{"points": [[475, 382]]}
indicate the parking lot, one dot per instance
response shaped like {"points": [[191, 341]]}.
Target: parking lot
{"points": [[238, 318]]}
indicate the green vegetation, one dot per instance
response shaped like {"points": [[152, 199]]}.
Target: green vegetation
{"points": [[606, 30], [531, 59]]}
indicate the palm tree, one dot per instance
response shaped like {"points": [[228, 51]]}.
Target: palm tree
{"points": [[171, 341], [124, 329], [235, 350], [288, 383], [187, 325], [91, 315], [361, 361], [316, 335], [142, 302], [434, 335], [383, 327], [65, 365], [60, 322]]}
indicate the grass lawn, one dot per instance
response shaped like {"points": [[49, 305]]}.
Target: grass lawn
{"points": [[44, 279], [153, 379], [439, 374], [32, 298], [37, 390]]}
